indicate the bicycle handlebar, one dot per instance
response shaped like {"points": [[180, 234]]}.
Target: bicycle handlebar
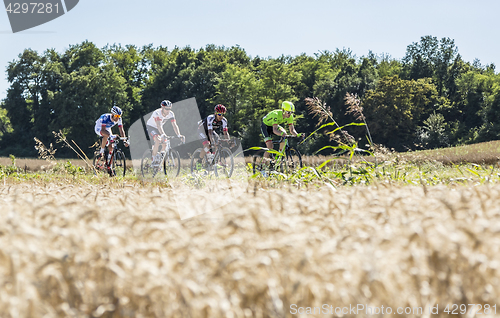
{"points": [[163, 139], [117, 139], [219, 140], [291, 137]]}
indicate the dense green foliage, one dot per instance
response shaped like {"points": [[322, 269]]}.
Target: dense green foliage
{"points": [[428, 99]]}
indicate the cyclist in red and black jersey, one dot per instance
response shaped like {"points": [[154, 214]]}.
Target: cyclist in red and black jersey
{"points": [[207, 129]]}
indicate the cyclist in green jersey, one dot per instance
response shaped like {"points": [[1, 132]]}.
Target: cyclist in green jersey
{"points": [[271, 125]]}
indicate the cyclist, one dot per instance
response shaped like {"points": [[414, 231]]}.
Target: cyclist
{"points": [[155, 125], [207, 127], [103, 128], [271, 125]]}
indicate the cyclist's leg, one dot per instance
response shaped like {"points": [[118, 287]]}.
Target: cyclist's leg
{"points": [[102, 135], [156, 144], [106, 138], [204, 140], [267, 133], [99, 159], [155, 135], [215, 138]]}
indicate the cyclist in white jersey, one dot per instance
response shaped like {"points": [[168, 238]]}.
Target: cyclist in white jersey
{"points": [[103, 128], [155, 124]]}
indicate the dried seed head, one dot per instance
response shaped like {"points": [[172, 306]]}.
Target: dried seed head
{"points": [[44, 152], [318, 109], [354, 106]]}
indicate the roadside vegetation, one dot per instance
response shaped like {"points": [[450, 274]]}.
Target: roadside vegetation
{"points": [[397, 235]]}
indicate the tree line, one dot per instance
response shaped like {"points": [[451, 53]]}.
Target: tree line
{"points": [[430, 98]]}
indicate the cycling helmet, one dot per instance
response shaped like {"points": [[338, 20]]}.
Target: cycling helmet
{"points": [[288, 107], [166, 103], [220, 109], [116, 111]]}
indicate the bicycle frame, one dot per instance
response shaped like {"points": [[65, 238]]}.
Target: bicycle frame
{"points": [[102, 162], [114, 145], [288, 158], [219, 151], [163, 148], [168, 159], [281, 154]]}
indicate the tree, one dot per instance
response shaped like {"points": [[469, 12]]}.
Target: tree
{"points": [[90, 89], [395, 108], [5, 125], [238, 89], [433, 133], [277, 79], [434, 59], [490, 112], [130, 63]]}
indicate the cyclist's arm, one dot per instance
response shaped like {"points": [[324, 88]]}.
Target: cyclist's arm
{"points": [[292, 130], [176, 128], [159, 126], [224, 128], [278, 130], [122, 131]]}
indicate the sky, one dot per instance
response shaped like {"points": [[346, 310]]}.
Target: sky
{"points": [[265, 28]]}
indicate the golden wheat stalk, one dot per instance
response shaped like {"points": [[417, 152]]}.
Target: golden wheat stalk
{"points": [[61, 138]]}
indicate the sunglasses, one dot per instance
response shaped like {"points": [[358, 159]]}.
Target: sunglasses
{"points": [[287, 112], [117, 116], [220, 114]]}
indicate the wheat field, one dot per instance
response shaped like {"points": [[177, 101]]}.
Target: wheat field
{"points": [[119, 249]]}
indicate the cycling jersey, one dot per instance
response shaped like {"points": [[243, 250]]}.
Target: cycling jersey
{"points": [[105, 119], [157, 116], [211, 123], [276, 118]]}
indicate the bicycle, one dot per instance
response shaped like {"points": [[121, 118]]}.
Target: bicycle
{"points": [[167, 160], [287, 161], [117, 165], [222, 162]]}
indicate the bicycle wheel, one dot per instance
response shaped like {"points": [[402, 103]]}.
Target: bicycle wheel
{"points": [[147, 169], [99, 163], [262, 165], [292, 161], [224, 163], [119, 166], [172, 164], [199, 167]]}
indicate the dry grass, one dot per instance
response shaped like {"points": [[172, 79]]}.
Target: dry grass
{"points": [[32, 164], [481, 153], [114, 249]]}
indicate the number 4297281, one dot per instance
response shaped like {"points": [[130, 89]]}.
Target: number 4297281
{"points": [[476, 309], [32, 7]]}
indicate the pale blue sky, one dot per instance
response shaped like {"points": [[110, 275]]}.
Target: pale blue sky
{"points": [[266, 28]]}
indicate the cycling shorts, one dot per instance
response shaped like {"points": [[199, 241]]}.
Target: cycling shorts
{"points": [[98, 128], [267, 131], [202, 134], [152, 131]]}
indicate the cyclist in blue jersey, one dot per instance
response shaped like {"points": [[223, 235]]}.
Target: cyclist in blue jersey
{"points": [[103, 128]]}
